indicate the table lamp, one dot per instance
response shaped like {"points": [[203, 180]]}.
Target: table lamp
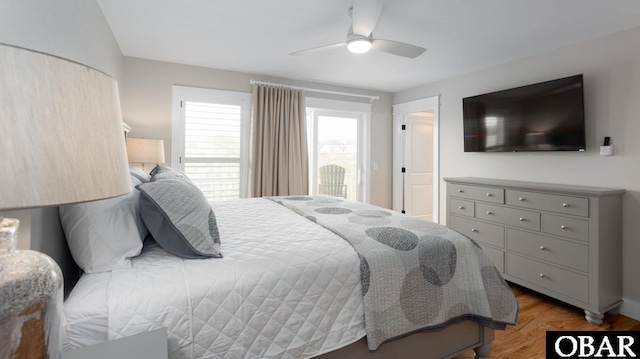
{"points": [[144, 150], [61, 141]]}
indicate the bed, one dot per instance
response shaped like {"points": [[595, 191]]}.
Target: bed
{"points": [[274, 278]]}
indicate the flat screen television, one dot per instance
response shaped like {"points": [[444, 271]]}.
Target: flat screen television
{"points": [[546, 116]]}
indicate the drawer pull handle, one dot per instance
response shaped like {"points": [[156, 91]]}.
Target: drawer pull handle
{"points": [[563, 227], [542, 275], [522, 219], [474, 230], [542, 248], [460, 191], [565, 205], [489, 195], [489, 212], [521, 199], [461, 207]]}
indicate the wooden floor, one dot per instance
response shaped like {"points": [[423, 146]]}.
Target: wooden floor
{"points": [[539, 314]]}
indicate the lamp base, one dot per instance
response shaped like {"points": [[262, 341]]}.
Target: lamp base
{"points": [[30, 300]]}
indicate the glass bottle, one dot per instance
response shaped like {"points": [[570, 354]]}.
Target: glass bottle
{"points": [[30, 299]]}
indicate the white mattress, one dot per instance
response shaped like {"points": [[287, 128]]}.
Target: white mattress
{"points": [[85, 312], [286, 288]]}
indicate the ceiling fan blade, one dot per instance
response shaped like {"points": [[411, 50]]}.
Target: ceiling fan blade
{"points": [[398, 48], [318, 49], [365, 15]]}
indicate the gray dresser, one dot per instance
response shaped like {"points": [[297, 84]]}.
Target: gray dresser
{"points": [[560, 240]]}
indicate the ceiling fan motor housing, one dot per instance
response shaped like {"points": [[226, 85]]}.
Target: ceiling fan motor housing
{"points": [[358, 44]]}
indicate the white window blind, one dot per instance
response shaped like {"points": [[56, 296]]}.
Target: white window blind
{"points": [[213, 126]]}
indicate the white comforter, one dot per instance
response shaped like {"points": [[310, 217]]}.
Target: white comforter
{"points": [[286, 288]]}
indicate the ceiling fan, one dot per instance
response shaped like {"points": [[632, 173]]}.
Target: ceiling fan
{"points": [[364, 16]]}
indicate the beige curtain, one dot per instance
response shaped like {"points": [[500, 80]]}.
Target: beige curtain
{"points": [[279, 163]]}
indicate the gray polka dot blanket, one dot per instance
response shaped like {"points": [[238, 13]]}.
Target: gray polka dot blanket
{"points": [[415, 274]]}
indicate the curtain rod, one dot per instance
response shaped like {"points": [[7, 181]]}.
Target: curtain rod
{"points": [[274, 84]]}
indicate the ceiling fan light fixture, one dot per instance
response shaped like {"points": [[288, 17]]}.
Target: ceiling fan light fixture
{"points": [[359, 45]]}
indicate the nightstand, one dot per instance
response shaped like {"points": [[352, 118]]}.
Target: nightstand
{"points": [[147, 345]]}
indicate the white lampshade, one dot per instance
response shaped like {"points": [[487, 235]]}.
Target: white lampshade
{"points": [[144, 150], [61, 139]]}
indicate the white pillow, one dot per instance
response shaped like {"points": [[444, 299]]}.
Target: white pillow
{"points": [[103, 235], [138, 173]]}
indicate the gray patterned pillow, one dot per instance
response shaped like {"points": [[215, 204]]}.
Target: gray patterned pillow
{"points": [[180, 218], [160, 173]]}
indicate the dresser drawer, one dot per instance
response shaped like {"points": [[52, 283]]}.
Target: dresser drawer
{"points": [[495, 255], [550, 249], [509, 216], [566, 227], [462, 207], [478, 231], [478, 193], [549, 277], [577, 206]]}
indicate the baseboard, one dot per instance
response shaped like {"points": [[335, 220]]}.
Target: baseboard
{"points": [[630, 308]]}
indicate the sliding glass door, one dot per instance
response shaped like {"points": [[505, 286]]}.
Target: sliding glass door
{"points": [[337, 150]]}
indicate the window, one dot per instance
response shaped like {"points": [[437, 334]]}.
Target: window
{"points": [[210, 140], [338, 137]]}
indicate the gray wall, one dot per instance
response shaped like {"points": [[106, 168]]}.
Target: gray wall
{"points": [[146, 105], [611, 68]]}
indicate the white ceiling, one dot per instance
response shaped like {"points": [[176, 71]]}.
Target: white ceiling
{"points": [[256, 36]]}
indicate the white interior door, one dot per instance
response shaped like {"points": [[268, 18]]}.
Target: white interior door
{"points": [[416, 177], [418, 155]]}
